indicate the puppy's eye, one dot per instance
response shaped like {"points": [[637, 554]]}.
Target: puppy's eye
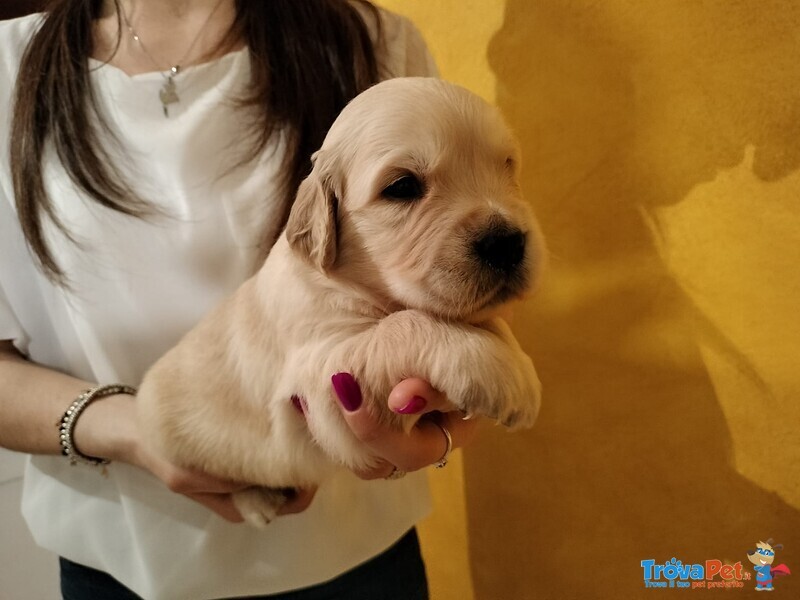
{"points": [[510, 163], [406, 188]]}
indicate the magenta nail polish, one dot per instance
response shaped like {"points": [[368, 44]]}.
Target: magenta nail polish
{"points": [[415, 405], [346, 388]]}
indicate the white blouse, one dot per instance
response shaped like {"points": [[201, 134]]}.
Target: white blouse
{"points": [[137, 285]]}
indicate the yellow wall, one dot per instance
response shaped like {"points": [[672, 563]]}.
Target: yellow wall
{"points": [[661, 147]]}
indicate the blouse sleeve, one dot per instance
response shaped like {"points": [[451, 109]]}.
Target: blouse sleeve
{"points": [[17, 287], [10, 326]]}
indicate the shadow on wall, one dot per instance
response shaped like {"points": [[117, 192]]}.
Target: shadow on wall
{"points": [[623, 107]]}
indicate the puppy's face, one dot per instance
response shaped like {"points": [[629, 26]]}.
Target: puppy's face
{"points": [[414, 194]]}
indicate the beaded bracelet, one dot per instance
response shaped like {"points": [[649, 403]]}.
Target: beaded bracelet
{"points": [[66, 426]]}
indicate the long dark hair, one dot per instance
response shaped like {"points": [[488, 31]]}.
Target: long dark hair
{"points": [[310, 57]]}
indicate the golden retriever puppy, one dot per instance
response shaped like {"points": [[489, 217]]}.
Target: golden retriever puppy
{"points": [[404, 241]]}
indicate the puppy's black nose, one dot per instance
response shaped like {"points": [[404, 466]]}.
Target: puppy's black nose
{"points": [[502, 250]]}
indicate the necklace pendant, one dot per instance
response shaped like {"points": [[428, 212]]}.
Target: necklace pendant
{"points": [[168, 95]]}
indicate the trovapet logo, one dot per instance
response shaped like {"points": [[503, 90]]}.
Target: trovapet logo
{"points": [[709, 574], [714, 573]]}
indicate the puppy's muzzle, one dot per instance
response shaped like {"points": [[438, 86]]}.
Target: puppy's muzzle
{"points": [[501, 250]]}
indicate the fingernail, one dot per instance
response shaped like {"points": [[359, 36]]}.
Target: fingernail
{"points": [[415, 405], [346, 387]]}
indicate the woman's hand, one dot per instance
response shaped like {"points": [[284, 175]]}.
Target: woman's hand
{"points": [[33, 396], [212, 492], [424, 445], [109, 429]]}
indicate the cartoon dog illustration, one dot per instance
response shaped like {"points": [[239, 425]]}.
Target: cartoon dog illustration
{"points": [[762, 557]]}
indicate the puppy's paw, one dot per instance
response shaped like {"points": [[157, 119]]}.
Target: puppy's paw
{"points": [[521, 407], [512, 399], [259, 505]]}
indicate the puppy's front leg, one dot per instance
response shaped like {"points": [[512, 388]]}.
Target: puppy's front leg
{"points": [[481, 369]]}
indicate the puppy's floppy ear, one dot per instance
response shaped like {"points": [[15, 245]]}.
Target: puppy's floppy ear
{"points": [[311, 228]]}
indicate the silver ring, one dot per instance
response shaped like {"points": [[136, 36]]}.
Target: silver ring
{"points": [[396, 474], [449, 439]]}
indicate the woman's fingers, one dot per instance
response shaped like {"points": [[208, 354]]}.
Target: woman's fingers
{"points": [[416, 396], [421, 447], [222, 504], [212, 492], [298, 501], [424, 445], [380, 471], [188, 481]]}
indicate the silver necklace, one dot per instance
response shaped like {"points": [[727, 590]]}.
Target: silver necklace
{"points": [[168, 94]]}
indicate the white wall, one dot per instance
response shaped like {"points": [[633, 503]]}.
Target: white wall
{"points": [[26, 571]]}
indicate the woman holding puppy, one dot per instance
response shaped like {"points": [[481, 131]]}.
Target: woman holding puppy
{"points": [[150, 157]]}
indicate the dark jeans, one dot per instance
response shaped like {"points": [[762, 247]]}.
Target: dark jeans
{"points": [[397, 574]]}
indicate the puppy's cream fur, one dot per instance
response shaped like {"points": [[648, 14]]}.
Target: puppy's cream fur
{"points": [[382, 288]]}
